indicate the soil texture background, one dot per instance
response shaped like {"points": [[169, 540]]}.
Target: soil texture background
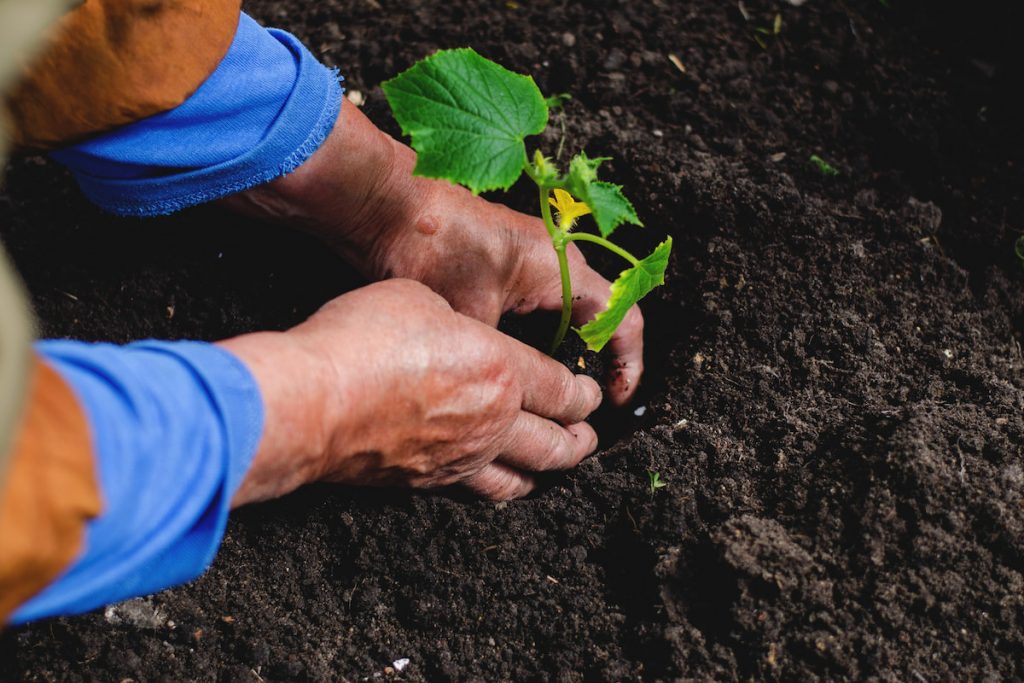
{"points": [[835, 386]]}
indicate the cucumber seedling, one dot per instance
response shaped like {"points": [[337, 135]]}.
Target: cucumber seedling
{"points": [[468, 118], [655, 482]]}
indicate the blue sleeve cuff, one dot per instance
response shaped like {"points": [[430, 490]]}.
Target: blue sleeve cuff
{"points": [[175, 426], [263, 112]]}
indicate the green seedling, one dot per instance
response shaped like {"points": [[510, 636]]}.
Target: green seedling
{"points": [[655, 482], [761, 31], [823, 166], [468, 119]]}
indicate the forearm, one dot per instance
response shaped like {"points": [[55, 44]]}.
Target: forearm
{"points": [[295, 402], [359, 181]]}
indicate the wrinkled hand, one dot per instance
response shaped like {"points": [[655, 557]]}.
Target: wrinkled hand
{"points": [[358, 194], [368, 391]]}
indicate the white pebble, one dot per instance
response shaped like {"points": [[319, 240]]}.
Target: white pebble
{"points": [[640, 411], [400, 664]]}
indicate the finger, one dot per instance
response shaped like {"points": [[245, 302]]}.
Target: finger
{"points": [[550, 389], [626, 345], [536, 444], [499, 482]]}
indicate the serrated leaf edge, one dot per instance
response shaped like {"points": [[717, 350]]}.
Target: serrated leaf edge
{"points": [[413, 134], [616, 290], [631, 217]]}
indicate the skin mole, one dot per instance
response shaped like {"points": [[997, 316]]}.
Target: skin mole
{"points": [[428, 225]]}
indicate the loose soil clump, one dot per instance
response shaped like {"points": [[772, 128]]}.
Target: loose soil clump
{"points": [[835, 391]]}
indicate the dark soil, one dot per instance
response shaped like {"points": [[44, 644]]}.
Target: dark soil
{"points": [[835, 392]]}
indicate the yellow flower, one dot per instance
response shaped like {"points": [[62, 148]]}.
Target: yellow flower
{"points": [[568, 208]]}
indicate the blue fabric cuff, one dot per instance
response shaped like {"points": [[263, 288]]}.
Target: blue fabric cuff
{"points": [[267, 108], [175, 426]]}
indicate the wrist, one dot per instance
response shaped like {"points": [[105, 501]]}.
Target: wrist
{"points": [[354, 193], [292, 387]]}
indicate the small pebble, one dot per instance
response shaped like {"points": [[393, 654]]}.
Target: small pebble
{"points": [[640, 411], [568, 39], [400, 664]]}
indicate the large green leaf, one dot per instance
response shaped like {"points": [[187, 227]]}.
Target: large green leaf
{"points": [[606, 201], [631, 286], [467, 117]]}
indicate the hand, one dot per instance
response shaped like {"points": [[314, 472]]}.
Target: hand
{"points": [[387, 385], [359, 195]]}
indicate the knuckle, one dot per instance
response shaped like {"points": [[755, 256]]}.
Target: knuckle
{"points": [[591, 392], [560, 450], [507, 389], [403, 287], [567, 388]]}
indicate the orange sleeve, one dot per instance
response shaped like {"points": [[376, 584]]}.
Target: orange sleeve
{"points": [[50, 492], [112, 62]]}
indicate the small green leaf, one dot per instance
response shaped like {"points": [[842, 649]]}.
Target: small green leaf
{"points": [[557, 101], [606, 201], [467, 117], [655, 482], [632, 285], [823, 166], [610, 207], [582, 172], [544, 170]]}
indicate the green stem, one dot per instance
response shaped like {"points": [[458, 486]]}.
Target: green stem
{"points": [[563, 325], [614, 248], [545, 212], [558, 240]]}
